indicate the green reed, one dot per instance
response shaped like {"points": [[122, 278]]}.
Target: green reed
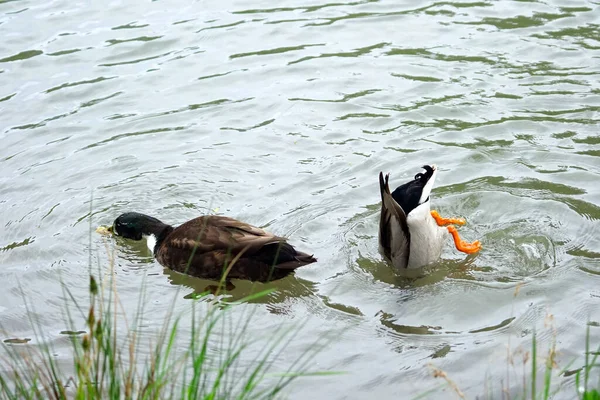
{"points": [[207, 364], [541, 377]]}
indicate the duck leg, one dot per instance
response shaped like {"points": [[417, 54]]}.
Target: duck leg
{"points": [[216, 289], [445, 221], [461, 245]]}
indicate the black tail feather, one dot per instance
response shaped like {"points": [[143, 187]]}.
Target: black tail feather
{"points": [[283, 255]]}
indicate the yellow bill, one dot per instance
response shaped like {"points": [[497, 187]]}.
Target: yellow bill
{"points": [[104, 230]]}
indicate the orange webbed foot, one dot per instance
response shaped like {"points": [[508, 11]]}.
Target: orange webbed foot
{"points": [[445, 221], [461, 245]]}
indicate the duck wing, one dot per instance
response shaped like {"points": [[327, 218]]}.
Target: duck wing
{"points": [[211, 233], [205, 245], [394, 236]]}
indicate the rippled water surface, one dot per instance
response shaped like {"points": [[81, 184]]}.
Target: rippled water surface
{"points": [[282, 114]]}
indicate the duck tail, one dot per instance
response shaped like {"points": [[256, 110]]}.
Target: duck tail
{"points": [[282, 255], [384, 187], [299, 259], [305, 258]]}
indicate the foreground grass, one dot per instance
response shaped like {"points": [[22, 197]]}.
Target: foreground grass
{"points": [[108, 363], [537, 373]]}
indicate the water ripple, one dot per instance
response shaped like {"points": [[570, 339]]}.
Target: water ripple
{"points": [[283, 115]]}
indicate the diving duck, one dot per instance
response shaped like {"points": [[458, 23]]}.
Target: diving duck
{"points": [[214, 247], [410, 234]]}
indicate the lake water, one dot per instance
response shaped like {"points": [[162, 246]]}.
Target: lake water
{"points": [[282, 114]]}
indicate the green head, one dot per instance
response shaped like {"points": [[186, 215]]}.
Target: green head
{"points": [[133, 225]]}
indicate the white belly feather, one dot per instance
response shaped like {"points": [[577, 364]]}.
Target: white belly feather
{"points": [[150, 241], [426, 237]]}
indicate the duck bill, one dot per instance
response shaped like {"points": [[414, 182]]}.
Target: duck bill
{"points": [[103, 230], [429, 185]]}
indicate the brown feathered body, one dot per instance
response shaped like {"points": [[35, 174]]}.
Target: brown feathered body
{"points": [[209, 246]]}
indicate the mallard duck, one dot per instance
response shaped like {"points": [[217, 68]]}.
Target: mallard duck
{"points": [[210, 246], [410, 234]]}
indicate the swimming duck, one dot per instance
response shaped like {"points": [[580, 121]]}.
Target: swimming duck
{"points": [[410, 234], [214, 247]]}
